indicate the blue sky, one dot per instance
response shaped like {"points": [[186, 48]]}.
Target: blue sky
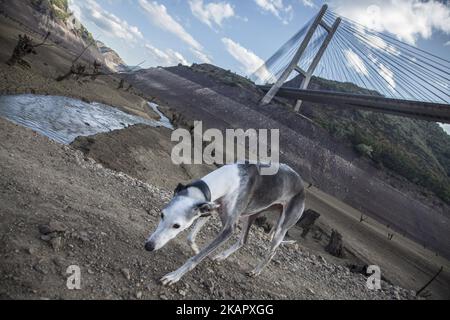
{"points": [[239, 35]]}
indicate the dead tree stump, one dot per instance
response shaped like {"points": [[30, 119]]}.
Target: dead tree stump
{"points": [[335, 246], [121, 84], [307, 220]]}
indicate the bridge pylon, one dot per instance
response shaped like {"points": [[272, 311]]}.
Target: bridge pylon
{"points": [[293, 65]]}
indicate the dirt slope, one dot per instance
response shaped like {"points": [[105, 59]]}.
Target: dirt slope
{"points": [[320, 159], [98, 220], [144, 153]]}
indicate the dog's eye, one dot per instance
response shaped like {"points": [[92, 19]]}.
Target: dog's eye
{"points": [[162, 215], [176, 225]]}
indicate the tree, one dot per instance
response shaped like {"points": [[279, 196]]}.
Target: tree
{"points": [[23, 48], [82, 70], [364, 150]]}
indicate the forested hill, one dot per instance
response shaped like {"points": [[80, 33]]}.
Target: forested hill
{"points": [[415, 149]]}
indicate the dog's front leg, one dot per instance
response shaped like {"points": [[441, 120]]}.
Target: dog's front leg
{"points": [[223, 236], [191, 238]]}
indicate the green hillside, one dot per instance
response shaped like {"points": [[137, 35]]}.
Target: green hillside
{"points": [[415, 149]]}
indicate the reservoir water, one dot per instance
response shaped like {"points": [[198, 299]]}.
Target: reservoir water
{"points": [[63, 119]]}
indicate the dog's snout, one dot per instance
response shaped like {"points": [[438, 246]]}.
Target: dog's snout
{"points": [[149, 246]]}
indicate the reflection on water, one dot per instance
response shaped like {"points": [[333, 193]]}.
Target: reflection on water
{"points": [[63, 119], [163, 121]]}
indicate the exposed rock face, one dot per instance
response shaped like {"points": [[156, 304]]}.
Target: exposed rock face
{"points": [[112, 59], [66, 30]]}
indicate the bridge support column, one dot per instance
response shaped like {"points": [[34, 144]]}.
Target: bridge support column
{"points": [[316, 59], [293, 64]]}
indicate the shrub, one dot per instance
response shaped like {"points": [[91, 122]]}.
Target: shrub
{"points": [[364, 150]]}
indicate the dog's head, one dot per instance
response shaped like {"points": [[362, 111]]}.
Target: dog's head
{"points": [[176, 216]]}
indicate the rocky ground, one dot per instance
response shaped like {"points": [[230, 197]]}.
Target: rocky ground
{"points": [[59, 208], [145, 153]]}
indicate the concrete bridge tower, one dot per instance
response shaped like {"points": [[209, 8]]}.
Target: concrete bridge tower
{"points": [[293, 65]]}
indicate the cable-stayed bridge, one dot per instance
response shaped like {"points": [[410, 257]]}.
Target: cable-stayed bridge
{"points": [[366, 69]]}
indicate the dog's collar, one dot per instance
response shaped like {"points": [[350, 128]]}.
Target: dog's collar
{"points": [[202, 186]]}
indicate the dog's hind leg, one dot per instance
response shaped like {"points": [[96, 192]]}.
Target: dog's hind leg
{"points": [[191, 238], [276, 241], [247, 223], [291, 214]]}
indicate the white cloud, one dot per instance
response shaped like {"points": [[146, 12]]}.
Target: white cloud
{"points": [[277, 8], [355, 62], [446, 127], [309, 3], [384, 72], [447, 44], [378, 43], [166, 58], [158, 15], [387, 75], [249, 61], [211, 13], [406, 19], [108, 23], [202, 57]]}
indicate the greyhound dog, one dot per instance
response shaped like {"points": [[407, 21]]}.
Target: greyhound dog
{"points": [[236, 192]]}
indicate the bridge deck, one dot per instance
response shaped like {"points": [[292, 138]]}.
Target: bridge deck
{"points": [[416, 109]]}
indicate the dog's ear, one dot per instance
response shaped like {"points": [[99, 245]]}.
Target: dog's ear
{"points": [[205, 209], [178, 188]]}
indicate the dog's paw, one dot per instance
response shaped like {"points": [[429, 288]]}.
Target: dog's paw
{"points": [[254, 273], [171, 278], [195, 248], [219, 257]]}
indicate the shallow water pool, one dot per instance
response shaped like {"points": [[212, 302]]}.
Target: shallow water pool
{"points": [[63, 119]]}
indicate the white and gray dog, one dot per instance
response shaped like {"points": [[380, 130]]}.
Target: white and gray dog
{"points": [[237, 192]]}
